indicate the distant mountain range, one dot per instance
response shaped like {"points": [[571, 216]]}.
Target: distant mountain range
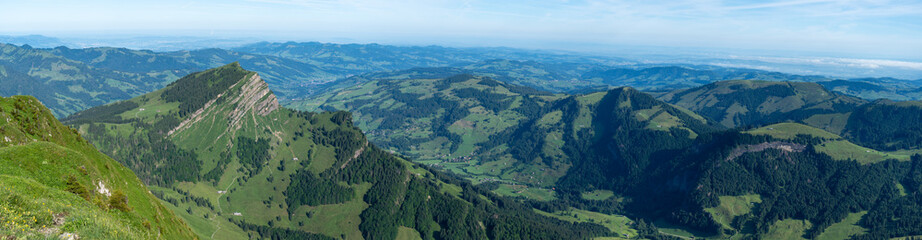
{"points": [[69, 80], [61, 76]]}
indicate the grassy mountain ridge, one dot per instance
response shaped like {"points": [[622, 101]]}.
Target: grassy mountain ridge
{"points": [[252, 168], [489, 130], [753, 103], [55, 182], [882, 124]]}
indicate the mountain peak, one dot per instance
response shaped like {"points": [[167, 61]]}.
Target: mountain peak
{"points": [[233, 65], [229, 87]]}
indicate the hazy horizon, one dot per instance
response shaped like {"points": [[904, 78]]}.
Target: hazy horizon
{"points": [[854, 29]]}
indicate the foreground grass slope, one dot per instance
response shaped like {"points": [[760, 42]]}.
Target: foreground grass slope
{"points": [[54, 182]]}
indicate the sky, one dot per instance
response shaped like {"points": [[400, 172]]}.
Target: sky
{"points": [[841, 28]]}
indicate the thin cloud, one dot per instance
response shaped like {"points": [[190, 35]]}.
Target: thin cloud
{"points": [[781, 4]]}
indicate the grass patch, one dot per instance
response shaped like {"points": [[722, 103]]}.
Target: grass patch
{"points": [[335, 219], [787, 229], [845, 150], [539, 194], [669, 229], [405, 233], [731, 207], [598, 195], [834, 123], [844, 229], [791, 130], [616, 223]]}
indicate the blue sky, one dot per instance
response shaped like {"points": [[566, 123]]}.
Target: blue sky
{"points": [[872, 28]]}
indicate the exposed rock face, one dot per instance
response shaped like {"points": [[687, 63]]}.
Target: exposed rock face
{"points": [[101, 188], [248, 96], [783, 146], [254, 97]]}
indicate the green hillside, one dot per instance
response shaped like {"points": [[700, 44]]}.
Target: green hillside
{"points": [[66, 85], [833, 145], [519, 142], [487, 130], [886, 125], [218, 148], [442, 122], [54, 183], [754, 103], [624, 152]]}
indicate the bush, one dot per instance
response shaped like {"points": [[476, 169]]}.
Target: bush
{"points": [[119, 201], [75, 187]]}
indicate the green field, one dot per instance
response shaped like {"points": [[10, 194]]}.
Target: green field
{"points": [[540, 194], [405, 233], [787, 229], [598, 195], [834, 123], [845, 229], [678, 231], [791, 130], [335, 219], [731, 207], [845, 150], [618, 224]]}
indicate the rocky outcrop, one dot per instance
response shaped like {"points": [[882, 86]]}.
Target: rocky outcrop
{"points": [[783, 146], [255, 97], [248, 96]]}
